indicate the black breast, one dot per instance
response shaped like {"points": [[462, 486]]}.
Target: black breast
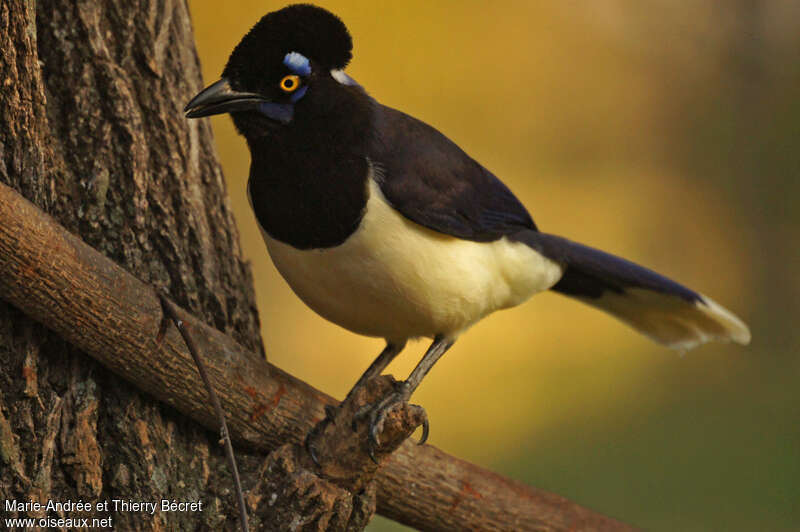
{"points": [[308, 201]]}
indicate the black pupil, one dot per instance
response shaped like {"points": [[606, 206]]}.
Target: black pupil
{"points": [[288, 83]]}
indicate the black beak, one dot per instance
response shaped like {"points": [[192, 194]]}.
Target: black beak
{"points": [[221, 98]]}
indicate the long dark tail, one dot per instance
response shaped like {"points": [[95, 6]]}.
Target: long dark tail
{"points": [[660, 308]]}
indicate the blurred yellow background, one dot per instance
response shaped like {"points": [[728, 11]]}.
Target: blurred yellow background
{"points": [[666, 132]]}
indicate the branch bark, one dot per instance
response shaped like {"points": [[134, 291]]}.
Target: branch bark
{"points": [[63, 283]]}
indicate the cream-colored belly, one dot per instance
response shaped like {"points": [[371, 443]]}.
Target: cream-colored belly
{"points": [[395, 279]]}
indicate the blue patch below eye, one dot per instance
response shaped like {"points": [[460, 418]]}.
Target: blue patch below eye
{"points": [[299, 93], [297, 63], [281, 112]]}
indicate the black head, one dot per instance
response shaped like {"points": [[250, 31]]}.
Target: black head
{"points": [[308, 30], [277, 67]]}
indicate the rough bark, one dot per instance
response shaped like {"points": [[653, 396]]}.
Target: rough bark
{"points": [[89, 133]]}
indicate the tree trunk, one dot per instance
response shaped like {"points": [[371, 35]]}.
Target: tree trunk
{"points": [[91, 132]]}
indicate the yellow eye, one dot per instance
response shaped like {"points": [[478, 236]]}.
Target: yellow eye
{"points": [[290, 83]]}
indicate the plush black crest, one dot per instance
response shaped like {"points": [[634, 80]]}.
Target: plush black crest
{"points": [[310, 30]]}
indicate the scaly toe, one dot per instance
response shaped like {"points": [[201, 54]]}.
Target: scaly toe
{"points": [[360, 414], [317, 431], [378, 415]]}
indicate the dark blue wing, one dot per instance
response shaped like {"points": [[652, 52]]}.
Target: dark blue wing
{"points": [[432, 182]]}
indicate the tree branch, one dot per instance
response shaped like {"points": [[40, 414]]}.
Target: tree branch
{"points": [[57, 279]]}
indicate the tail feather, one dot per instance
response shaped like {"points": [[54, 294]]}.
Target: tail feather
{"points": [[654, 305]]}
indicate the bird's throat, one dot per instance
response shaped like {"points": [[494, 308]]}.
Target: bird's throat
{"points": [[308, 199]]}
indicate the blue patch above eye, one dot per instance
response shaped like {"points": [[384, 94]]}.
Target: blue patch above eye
{"points": [[297, 63]]}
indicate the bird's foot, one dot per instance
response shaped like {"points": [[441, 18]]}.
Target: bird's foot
{"points": [[314, 434], [376, 414]]}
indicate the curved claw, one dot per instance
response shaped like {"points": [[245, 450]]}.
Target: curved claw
{"points": [[319, 428], [378, 416], [371, 453], [374, 429], [312, 452], [425, 430]]}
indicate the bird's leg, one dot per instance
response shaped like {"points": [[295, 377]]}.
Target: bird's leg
{"points": [[377, 412], [378, 365]]}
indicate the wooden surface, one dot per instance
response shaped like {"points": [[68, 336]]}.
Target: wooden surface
{"points": [[97, 306], [92, 133]]}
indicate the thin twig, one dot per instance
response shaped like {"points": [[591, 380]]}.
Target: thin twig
{"points": [[171, 310]]}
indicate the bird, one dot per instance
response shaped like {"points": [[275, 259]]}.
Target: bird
{"points": [[383, 225]]}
